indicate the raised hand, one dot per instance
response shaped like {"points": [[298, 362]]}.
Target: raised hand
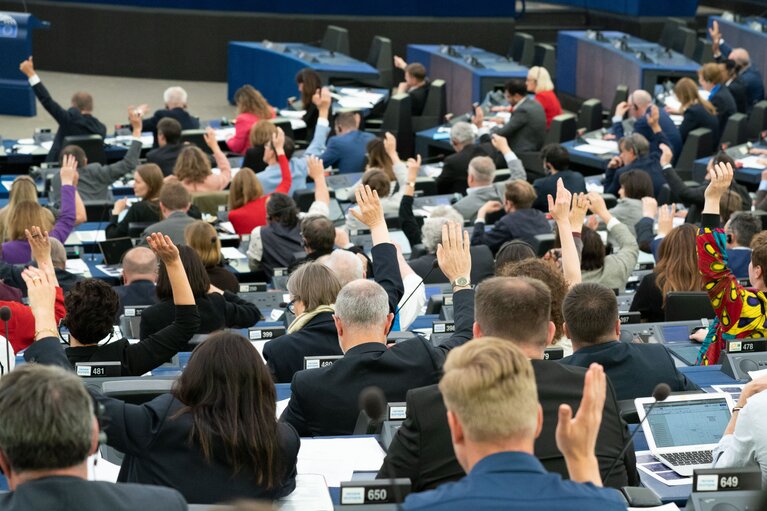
{"points": [[721, 177], [68, 170], [163, 247], [39, 243], [653, 118], [621, 109], [454, 253], [278, 141], [597, 204], [371, 212], [578, 211], [490, 206], [399, 62], [666, 155], [27, 67], [666, 219], [413, 166], [500, 143], [649, 207], [316, 168], [716, 37], [390, 145], [479, 117], [41, 291], [134, 116], [210, 139], [560, 209]]}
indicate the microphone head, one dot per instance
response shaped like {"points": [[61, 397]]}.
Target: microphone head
{"points": [[661, 392], [5, 313], [373, 402]]}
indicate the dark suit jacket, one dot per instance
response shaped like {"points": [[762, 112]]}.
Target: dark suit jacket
{"points": [[697, 117], [739, 94], [187, 121], [165, 157], [724, 104], [694, 196], [325, 402], [455, 170], [418, 99], [482, 266], [667, 126], [650, 163], [523, 224], [754, 85], [139, 292], [71, 121], [422, 448], [634, 369], [526, 130], [61, 493], [572, 180]]}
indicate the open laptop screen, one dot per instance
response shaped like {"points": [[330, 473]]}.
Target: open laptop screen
{"points": [[114, 249], [695, 422]]}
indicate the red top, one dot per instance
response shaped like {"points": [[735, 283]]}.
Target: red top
{"points": [[550, 104], [240, 142], [253, 214], [21, 327]]}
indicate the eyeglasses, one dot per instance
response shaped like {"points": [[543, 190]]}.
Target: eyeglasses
{"points": [[291, 306]]}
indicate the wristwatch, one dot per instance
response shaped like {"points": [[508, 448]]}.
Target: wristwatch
{"points": [[461, 282]]}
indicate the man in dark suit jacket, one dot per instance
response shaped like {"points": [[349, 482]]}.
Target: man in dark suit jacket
{"points": [[421, 449], [453, 178], [139, 276], [750, 77], [526, 129], [175, 108], [51, 405], [415, 85], [324, 401], [556, 160], [77, 120], [638, 107], [169, 145], [592, 323]]}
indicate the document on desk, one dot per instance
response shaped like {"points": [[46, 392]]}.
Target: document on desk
{"points": [[311, 493], [110, 271], [338, 458], [431, 170], [232, 253], [757, 374], [77, 266], [292, 114], [102, 470], [652, 466], [734, 390], [753, 162]]}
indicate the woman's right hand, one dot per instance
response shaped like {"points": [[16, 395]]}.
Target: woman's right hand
{"points": [[163, 247], [68, 170]]}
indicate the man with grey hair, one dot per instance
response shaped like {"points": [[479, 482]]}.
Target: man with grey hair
{"points": [[139, 278], [325, 401], [346, 265], [638, 109], [47, 431], [66, 278], [175, 107], [481, 188], [747, 75], [454, 171]]}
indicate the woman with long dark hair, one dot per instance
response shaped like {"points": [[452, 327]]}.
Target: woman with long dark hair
{"points": [[309, 82], [273, 245], [147, 183]]}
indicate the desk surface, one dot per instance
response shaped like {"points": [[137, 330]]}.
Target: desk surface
{"points": [[481, 62]]}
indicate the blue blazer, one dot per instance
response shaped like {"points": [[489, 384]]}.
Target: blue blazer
{"points": [[749, 77], [667, 126], [347, 152]]}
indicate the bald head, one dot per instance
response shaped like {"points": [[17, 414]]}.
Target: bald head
{"points": [[346, 265], [642, 99], [139, 263], [83, 102], [740, 56]]}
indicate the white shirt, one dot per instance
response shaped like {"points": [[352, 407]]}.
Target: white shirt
{"points": [[748, 444], [416, 305]]}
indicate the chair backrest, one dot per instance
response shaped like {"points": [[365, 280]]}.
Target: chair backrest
{"points": [[735, 131], [93, 145], [757, 120], [684, 41], [435, 108], [669, 31], [195, 137], [380, 57], [523, 48], [208, 202], [136, 391], [397, 119], [704, 51], [621, 95], [98, 210], [286, 127], [688, 306], [135, 229], [545, 56], [699, 143], [590, 115], [533, 164], [562, 129], [336, 39], [543, 243]]}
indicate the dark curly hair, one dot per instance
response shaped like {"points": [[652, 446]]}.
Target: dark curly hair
{"points": [[548, 273], [91, 309], [195, 272], [282, 210]]}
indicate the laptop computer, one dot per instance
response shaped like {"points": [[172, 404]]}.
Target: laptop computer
{"points": [[114, 249], [683, 430]]}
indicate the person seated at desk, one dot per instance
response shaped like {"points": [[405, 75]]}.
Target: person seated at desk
{"points": [[539, 83], [324, 401], [739, 310], [10, 274], [51, 406], [346, 150], [202, 237], [740, 230], [415, 85], [635, 185], [217, 309], [634, 369], [139, 278], [26, 214], [169, 145], [750, 77], [219, 418], [421, 449], [273, 245], [745, 440], [92, 305], [23, 189], [454, 173], [309, 82], [481, 187], [247, 202], [193, 167], [639, 107], [556, 163], [147, 185], [319, 236], [495, 419], [390, 193], [526, 129], [637, 153], [175, 99], [698, 112], [260, 135], [78, 119], [712, 79], [251, 108], [611, 270], [175, 201], [737, 87], [521, 221]]}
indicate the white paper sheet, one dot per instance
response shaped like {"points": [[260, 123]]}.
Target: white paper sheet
{"points": [[232, 253], [757, 374], [664, 507], [609, 145], [311, 493], [650, 465], [338, 458], [77, 266], [734, 390], [753, 162], [591, 149], [281, 405]]}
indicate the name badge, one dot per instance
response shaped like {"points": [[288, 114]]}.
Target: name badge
{"points": [[265, 333], [317, 362]]}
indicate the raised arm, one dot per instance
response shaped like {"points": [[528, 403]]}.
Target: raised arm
{"points": [[221, 180], [278, 142], [321, 100], [67, 216], [454, 258], [130, 161], [51, 106], [516, 169], [409, 224], [317, 173], [560, 212]]}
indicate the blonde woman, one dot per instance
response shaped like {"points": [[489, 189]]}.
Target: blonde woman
{"points": [[202, 238], [698, 112], [22, 189], [539, 83]]}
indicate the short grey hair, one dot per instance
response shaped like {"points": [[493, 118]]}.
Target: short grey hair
{"points": [[174, 95], [58, 254], [46, 418], [483, 169], [362, 303], [431, 232], [636, 142], [346, 265], [462, 132]]}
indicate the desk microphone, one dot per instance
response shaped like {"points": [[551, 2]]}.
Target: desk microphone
{"points": [[659, 393], [5, 315], [434, 266]]}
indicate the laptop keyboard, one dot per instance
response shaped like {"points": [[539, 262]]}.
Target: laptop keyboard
{"points": [[688, 458]]}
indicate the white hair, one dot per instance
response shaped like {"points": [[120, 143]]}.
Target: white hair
{"points": [[174, 96], [483, 169], [346, 265], [462, 132], [431, 232], [362, 303]]}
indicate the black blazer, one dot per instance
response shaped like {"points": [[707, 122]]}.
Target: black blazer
{"points": [[187, 121], [634, 369], [648, 300], [155, 440], [223, 279], [138, 292], [418, 99], [151, 352], [544, 186], [694, 197], [285, 355], [62, 493], [141, 212], [324, 401], [455, 170], [482, 266], [165, 157], [254, 159], [523, 224], [71, 121], [740, 95], [422, 449], [724, 104], [216, 312], [697, 117]]}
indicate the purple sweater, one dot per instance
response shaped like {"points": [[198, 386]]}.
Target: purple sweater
{"points": [[18, 251]]}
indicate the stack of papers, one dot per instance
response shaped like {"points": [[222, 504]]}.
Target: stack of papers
{"points": [[77, 266], [292, 114], [311, 493], [232, 253], [648, 464], [598, 146], [753, 162], [336, 459]]}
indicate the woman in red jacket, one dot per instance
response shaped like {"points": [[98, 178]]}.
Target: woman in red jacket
{"points": [[251, 107], [247, 202], [539, 82]]}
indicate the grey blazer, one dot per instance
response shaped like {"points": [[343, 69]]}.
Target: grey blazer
{"points": [[526, 129], [172, 226], [475, 199]]}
